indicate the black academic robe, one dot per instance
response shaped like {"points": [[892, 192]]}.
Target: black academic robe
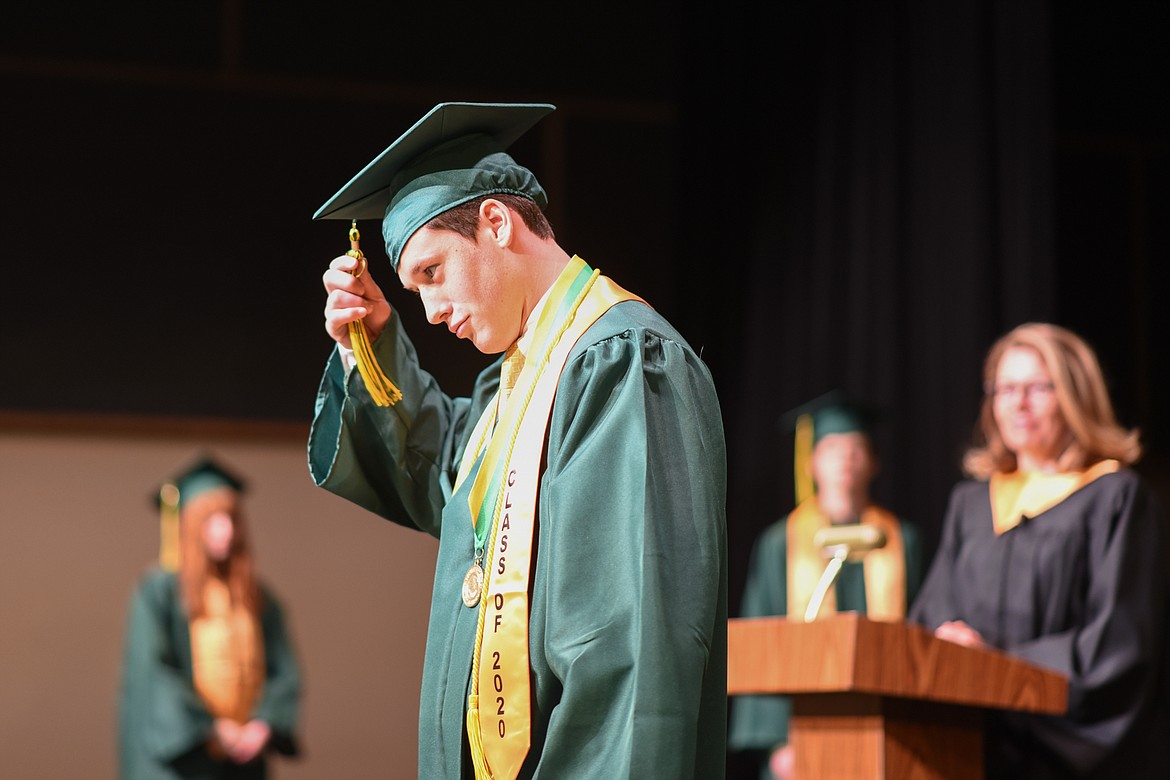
{"points": [[163, 726], [1081, 589]]}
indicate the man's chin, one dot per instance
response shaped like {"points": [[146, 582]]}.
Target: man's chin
{"points": [[489, 346], [486, 347]]}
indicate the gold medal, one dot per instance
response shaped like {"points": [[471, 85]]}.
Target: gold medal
{"points": [[472, 585]]}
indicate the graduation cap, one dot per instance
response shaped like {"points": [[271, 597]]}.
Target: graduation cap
{"points": [[827, 414], [199, 477], [454, 154], [833, 412]]}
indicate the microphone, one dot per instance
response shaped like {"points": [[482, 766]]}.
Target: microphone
{"points": [[858, 539], [840, 543]]}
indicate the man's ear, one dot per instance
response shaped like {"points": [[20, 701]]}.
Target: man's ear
{"points": [[497, 219]]}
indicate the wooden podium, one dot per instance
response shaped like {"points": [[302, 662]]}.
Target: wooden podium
{"points": [[883, 700]]}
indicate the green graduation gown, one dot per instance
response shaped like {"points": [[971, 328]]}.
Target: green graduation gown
{"points": [[162, 723], [628, 609], [759, 723]]}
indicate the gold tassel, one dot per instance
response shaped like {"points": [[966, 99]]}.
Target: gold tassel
{"points": [[168, 549], [478, 760], [802, 458], [381, 389]]}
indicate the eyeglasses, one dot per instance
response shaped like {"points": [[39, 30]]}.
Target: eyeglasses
{"points": [[1015, 389]]}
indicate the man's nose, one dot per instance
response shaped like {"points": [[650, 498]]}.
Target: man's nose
{"points": [[437, 309]]}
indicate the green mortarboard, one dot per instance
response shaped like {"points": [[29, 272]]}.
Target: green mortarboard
{"points": [[200, 476], [830, 413], [827, 414], [452, 155]]}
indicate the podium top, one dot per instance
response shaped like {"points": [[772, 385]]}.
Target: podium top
{"points": [[848, 652]]}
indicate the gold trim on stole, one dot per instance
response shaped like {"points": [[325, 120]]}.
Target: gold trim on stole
{"points": [[502, 684], [1021, 494], [884, 568], [227, 655]]}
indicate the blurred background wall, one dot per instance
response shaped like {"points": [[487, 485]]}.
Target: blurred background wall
{"points": [[854, 195], [78, 530]]}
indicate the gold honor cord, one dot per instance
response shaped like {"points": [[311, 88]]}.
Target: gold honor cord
{"points": [[504, 495], [168, 547], [479, 757], [884, 569], [802, 458], [381, 389]]}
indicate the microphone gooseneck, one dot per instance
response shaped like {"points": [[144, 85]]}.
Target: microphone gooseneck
{"points": [[840, 543]]}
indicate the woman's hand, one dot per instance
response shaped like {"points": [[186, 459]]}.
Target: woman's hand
{"points": [[253, 738], [960, 633]]}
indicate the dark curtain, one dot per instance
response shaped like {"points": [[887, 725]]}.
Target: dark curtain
{"points": [[879, 211]]}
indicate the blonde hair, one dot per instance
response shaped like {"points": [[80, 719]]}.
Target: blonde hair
{"points": [[1081, 394], [195, 567]]}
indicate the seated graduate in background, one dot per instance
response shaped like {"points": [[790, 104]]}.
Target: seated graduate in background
{"points": [[209, 680], [1055, 553], [835, 465]]}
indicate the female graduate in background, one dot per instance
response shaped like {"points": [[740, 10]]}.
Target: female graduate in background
{"points": [[210, 684], [1055, 552]]}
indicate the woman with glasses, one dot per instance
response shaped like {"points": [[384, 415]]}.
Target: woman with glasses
{"points": [[1054, 551]]}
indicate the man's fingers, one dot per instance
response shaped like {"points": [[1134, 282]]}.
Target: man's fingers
{"points": [[337, 279], [349, 299], [345, 263], [345, 299]]}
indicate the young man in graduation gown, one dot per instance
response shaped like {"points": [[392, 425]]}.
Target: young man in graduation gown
{"points": [[833, 489], [210, 683], [578, 617]]}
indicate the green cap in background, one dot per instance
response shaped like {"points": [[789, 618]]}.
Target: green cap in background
{"points": [[454, 154], [200, 476], [827, 414], [830, 413]]}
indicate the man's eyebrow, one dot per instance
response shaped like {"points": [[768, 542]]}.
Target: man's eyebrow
{"points": [[412, 270]]}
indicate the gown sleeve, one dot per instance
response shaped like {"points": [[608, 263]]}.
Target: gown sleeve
{"points": [[933, 604], [912, 555], [1111, 656], [633, 532], [279, 703], [759, 723], [766, 588], [397, 461], [162, 716]]}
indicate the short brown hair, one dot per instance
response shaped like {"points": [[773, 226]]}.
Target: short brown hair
{"points": [[464, 218], [1080, 391]]}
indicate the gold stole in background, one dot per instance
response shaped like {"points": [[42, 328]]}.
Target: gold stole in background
{"points": [[884, 568], [227, 655]]}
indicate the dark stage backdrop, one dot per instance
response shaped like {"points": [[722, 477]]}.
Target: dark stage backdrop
{"points": [[849, 195], [910, 181]]}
